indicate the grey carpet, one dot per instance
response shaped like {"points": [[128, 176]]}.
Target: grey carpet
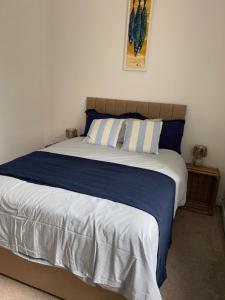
{"points": [[196, 263]]}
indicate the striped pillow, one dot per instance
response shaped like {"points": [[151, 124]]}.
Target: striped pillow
{"points": [[104, 132], [142, 136]]}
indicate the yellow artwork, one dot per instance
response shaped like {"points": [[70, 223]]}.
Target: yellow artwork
{"points": [[139, 12]]}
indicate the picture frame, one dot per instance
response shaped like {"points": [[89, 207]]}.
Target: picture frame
{"points": [[136, 50]]}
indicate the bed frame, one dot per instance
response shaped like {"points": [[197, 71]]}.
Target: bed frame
{"points": [[61, 282]]}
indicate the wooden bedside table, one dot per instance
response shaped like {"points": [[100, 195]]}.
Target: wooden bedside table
{"points": [[202, 189]]}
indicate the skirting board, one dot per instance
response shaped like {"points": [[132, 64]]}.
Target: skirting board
{"points": [[55, 281]]}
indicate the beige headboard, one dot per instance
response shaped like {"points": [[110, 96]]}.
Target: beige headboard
{"points": [[148, 109]]}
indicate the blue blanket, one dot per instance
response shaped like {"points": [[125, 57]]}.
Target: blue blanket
{"points": [[147, 190]]}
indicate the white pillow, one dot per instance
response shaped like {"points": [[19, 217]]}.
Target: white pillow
{"points": [[142, 136], [104, 132]]}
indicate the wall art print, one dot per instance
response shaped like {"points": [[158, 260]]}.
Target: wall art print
{"points": [[139, 15]]}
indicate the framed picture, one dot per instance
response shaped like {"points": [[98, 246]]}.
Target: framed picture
{"points": [[137, 35]]}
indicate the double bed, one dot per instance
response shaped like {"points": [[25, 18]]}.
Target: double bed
{"points": [[76, 245]]}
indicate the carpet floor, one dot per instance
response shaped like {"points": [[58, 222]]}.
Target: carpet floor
{"points": [[196, 263]]}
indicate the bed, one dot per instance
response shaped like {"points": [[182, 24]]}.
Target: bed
{"points": [[37, 221]]}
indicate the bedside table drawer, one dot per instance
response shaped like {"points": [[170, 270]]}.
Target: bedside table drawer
{"points": [[202, 189], [199, 187]]}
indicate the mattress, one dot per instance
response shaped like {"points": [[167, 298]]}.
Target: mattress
{"points": [[100, 241]]}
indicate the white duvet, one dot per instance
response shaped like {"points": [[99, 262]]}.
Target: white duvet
{"points": [[100, 241]]}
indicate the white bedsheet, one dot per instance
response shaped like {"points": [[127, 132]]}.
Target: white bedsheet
{"points": [[100, 241]]}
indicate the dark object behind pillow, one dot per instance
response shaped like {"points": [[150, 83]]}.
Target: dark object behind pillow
{"points": [[92, 114], [171, 135]]}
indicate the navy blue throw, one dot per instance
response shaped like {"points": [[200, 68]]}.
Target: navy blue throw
{"points": [[143, 189]]}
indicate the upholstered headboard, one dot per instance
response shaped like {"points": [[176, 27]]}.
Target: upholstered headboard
{"points": [[148, 109]]}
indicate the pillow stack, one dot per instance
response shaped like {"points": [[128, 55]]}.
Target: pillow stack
{"points": [[133, 131], [92, 114]]}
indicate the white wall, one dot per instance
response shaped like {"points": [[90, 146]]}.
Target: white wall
{"points": [[24, 86], [186, 64], [54, 53]]}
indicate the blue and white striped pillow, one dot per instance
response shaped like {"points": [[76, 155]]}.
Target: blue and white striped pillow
{"points": [[104, 132], [142, 136]]}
